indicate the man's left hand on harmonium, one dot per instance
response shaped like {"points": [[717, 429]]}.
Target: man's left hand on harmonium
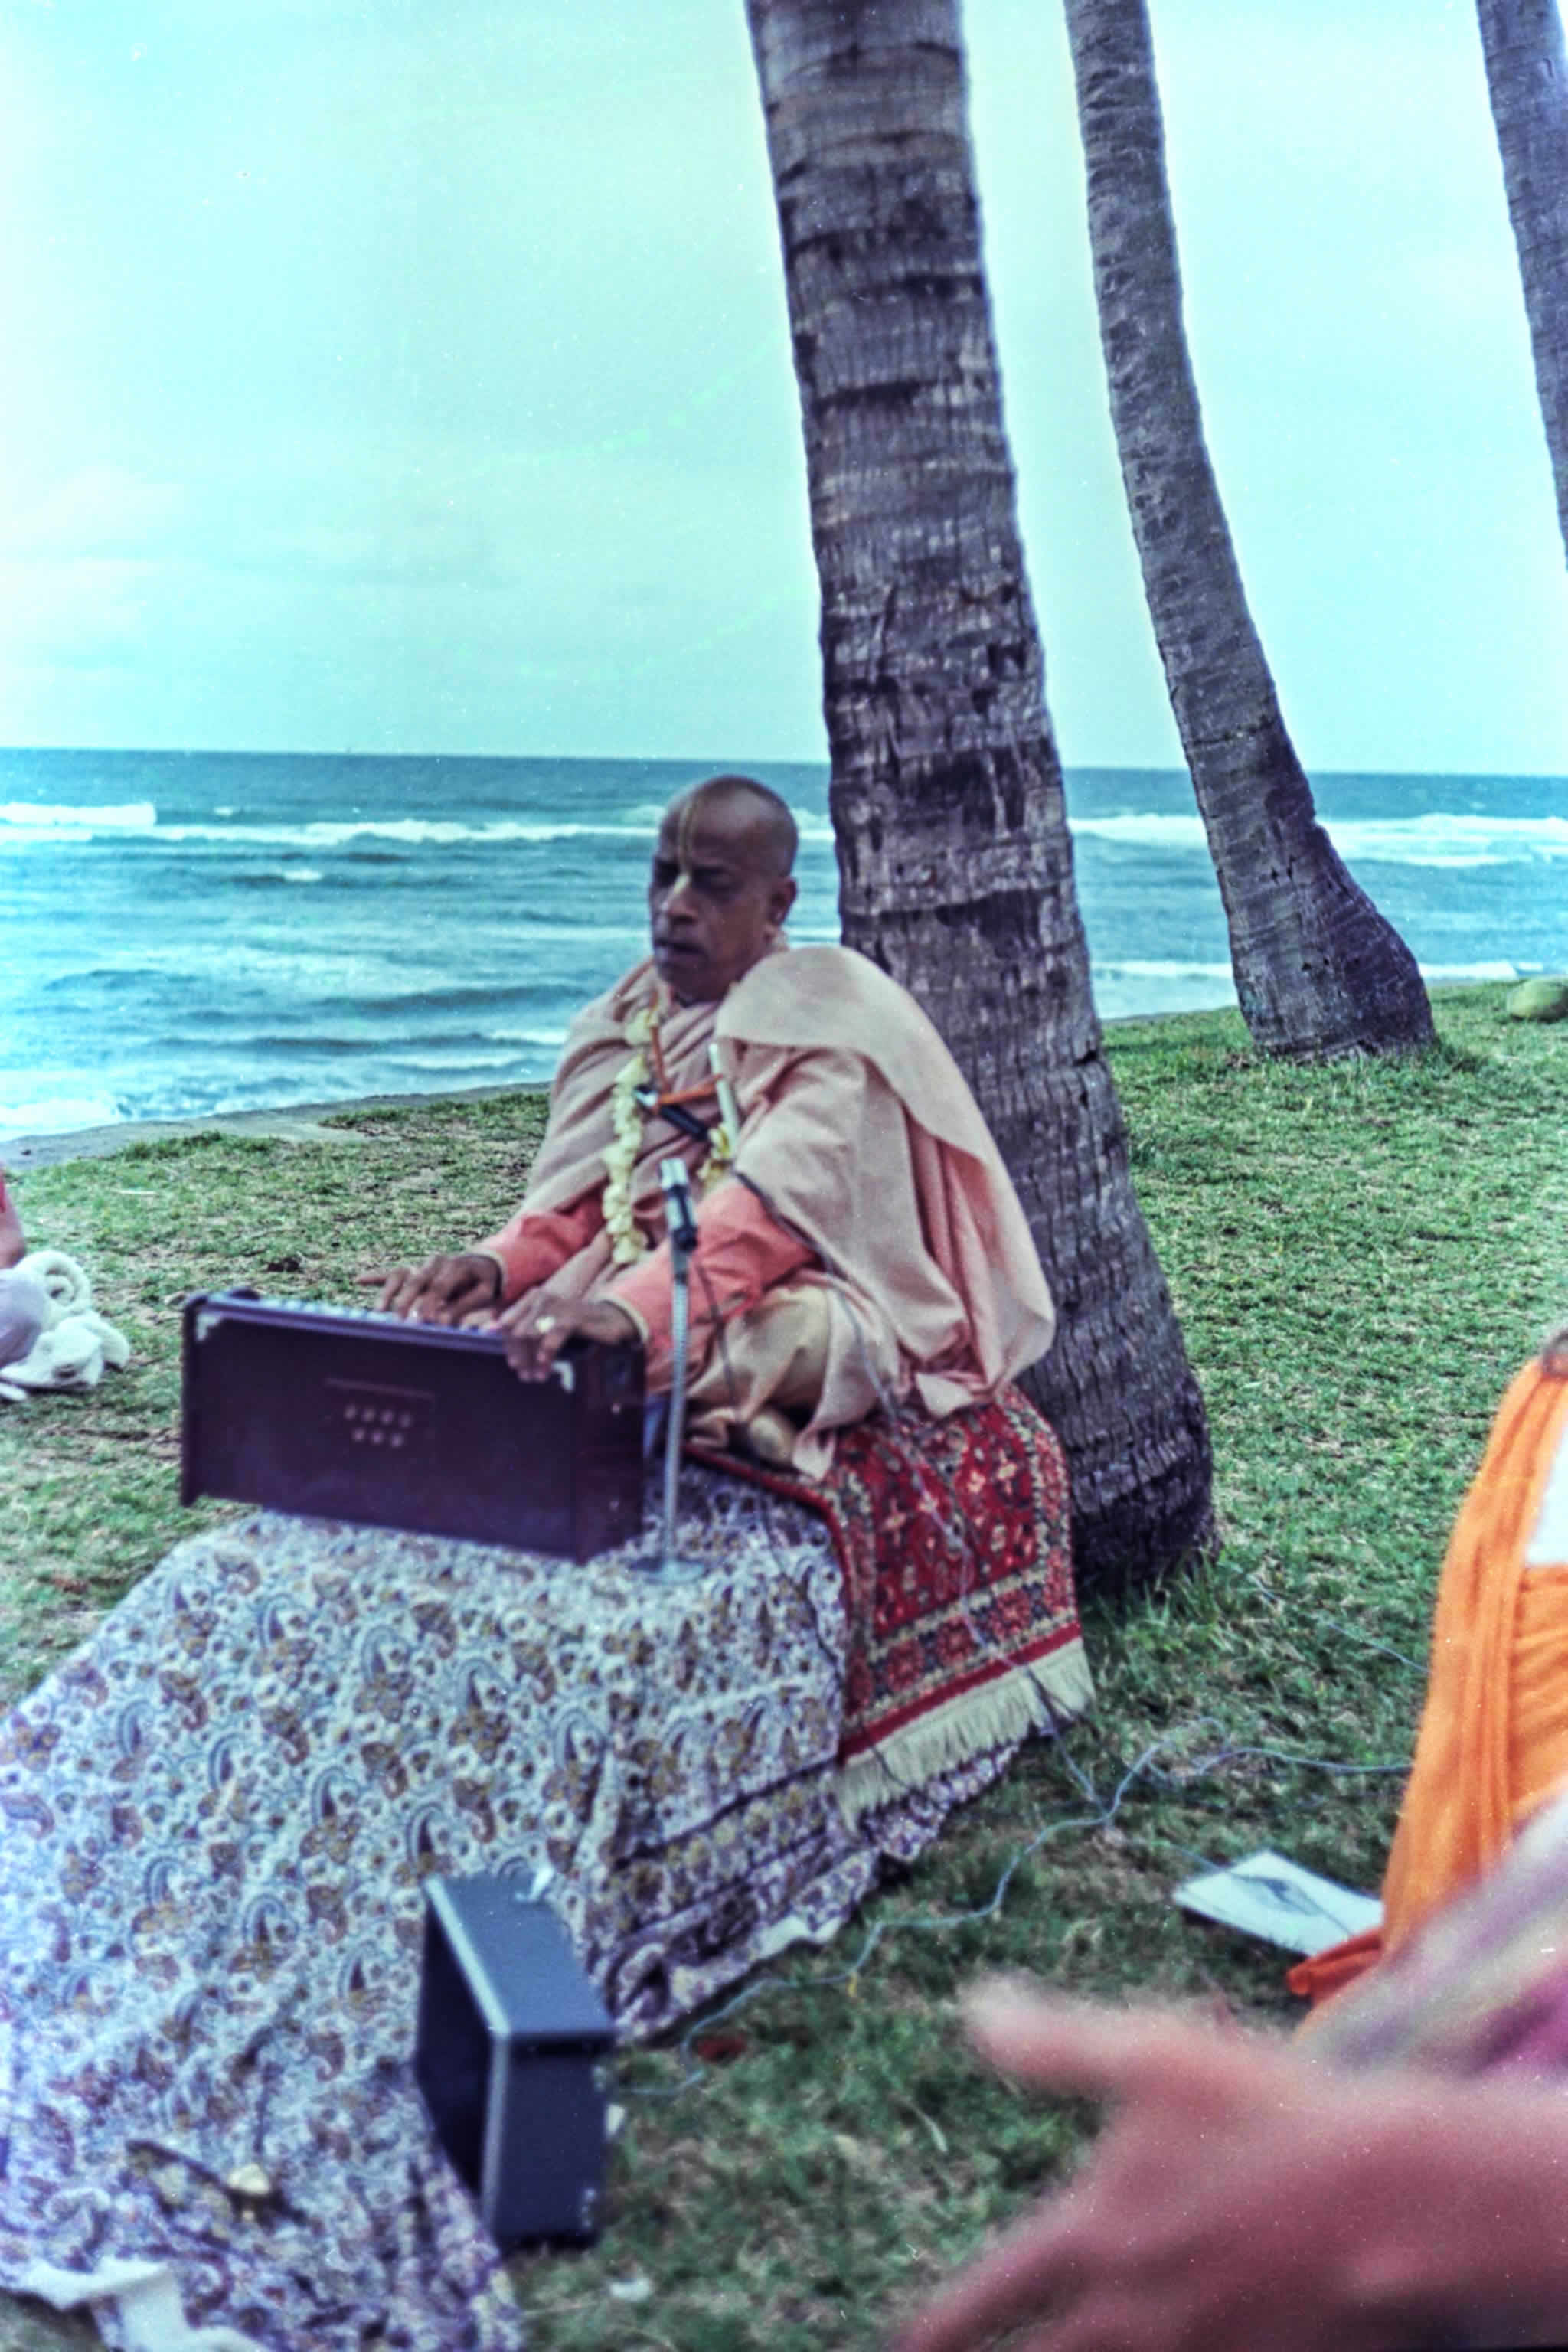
{"points": [[538, 1326]]}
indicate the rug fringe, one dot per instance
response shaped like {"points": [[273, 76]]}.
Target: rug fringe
{"points": [[1039, 1696]]}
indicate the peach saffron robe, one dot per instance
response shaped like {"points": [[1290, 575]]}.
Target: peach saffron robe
{"points": [[860, 1129]]}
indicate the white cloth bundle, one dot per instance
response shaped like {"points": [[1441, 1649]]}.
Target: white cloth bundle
{"points": [[69, 1291], [73, 1342]]}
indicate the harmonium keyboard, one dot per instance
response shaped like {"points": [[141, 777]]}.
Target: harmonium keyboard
{"points": [[345, 1413]]}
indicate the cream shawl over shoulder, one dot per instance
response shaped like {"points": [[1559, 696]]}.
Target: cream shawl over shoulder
{"points": [[858, 1124]]}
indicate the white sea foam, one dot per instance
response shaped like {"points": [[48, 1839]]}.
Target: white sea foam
{"points": [[536, 929], [1144, 831], [1139, 986], [55, 1114], [300, 873], [1134, 969], [323, 836], [65, 820], [550, 1038], [645, 816], [409, 832], [1440, 838], [1131, 969], [432, 1063], [1471, 971]]}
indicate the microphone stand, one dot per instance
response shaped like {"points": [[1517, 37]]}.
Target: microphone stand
{"points": [[682, 1226]]}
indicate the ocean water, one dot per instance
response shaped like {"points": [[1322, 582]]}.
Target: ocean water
{"points": [[191, 932]]}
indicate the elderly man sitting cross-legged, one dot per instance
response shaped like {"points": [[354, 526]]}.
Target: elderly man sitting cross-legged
{"points": [[222, 1811], [859, 1240]]}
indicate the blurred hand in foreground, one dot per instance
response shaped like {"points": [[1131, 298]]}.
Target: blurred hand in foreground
{"points": [[538, 1326], [445, 1289], [1243, 2200]]}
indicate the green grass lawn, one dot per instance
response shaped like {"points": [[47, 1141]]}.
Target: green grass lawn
{"points": [[1361, 1255]]}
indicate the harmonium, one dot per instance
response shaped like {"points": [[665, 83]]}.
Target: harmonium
{"points": [[348, 1414]]}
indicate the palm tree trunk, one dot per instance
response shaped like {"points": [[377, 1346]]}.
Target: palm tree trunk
{"points": [[954, 859], [1318, 969], [1527, 74]]}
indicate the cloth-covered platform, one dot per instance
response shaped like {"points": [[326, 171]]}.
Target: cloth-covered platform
{"points": [[217, 1815]]}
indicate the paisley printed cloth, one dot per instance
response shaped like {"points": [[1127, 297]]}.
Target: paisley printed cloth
{"points": [[217, 1818]]}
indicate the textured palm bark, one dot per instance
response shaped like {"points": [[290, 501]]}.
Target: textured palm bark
{"points": [[1527, 74], [954, 858], [1319, 972]]}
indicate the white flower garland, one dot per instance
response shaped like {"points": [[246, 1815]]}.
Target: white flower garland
{"points": [[627, 1240]]}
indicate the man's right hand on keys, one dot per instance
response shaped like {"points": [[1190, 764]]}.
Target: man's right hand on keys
{"points": [[445, 1289]]}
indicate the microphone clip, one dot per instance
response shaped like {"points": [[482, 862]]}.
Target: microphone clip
{"points": [[678, 1212], [674, 1114]]}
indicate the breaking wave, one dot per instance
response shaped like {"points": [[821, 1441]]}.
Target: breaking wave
{"points": [[63, 821], [1441, 839]]}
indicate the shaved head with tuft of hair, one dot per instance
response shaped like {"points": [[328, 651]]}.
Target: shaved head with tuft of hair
{"points": [[775, 838]]}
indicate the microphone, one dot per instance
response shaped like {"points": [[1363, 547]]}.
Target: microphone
{"points": [[678, 1214]]}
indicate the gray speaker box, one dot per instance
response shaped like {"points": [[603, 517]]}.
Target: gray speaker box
{"points": [[510, 2056]]}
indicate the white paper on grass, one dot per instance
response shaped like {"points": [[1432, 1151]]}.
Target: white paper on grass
{"points": [[1275, 1899], [151, 2316]]}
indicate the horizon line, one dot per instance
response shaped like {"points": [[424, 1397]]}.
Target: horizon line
{"points": [[714, 766]]}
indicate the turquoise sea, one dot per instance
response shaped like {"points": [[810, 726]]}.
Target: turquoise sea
{"points": [[189, 932]]}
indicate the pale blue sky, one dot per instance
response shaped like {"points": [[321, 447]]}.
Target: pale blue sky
{"points": [[412, 375]]}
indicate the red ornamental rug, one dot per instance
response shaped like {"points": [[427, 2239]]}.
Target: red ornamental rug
{"points": [[954, 1539]]}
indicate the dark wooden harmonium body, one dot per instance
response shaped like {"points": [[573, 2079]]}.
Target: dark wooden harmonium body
{"points": [[337, 1413]]}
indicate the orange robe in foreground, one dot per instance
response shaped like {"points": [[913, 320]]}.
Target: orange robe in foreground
{"points": [[1494, 1741]]}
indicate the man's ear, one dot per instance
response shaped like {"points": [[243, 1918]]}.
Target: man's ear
{"points": [[780, 898]]}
